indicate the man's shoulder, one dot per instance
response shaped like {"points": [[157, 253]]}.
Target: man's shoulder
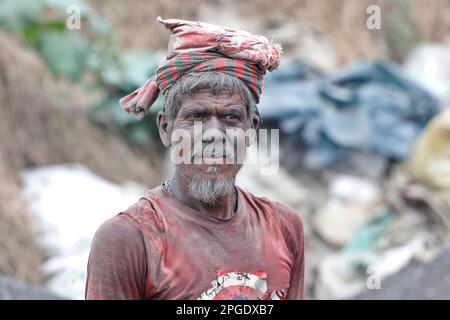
{"points": [[287, 218], [131, 220], [115, 235], [284, 213], [146, 207]]}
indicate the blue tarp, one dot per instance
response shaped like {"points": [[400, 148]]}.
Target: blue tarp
{"points": [[367, 107]]}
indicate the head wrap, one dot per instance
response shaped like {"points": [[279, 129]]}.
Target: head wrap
{"points": [[201, 47]]}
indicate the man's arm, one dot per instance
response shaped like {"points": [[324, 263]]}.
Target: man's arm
{"points": [[292, 228], [116, 268], [297, 285]]}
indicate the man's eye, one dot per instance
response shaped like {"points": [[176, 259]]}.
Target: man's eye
{"points": [[197, 115], [231, 117]]}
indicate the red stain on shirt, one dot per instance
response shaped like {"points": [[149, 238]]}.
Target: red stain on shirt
{"points": [[160, 248]]}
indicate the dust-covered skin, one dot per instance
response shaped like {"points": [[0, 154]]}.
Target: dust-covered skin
{"points": [[217, 113]]}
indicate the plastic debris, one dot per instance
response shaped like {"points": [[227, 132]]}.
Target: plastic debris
{"points": [[69, 203], [367, 107]]}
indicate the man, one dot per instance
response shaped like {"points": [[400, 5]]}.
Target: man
{"points": [[198, 236]]}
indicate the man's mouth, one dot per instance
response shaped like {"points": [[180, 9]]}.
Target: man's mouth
{"points": [[212, 159], [215, 160]]}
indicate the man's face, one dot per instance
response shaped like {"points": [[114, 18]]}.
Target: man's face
{"points": [[215, 126]]}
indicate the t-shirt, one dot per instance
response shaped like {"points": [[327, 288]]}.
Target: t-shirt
{"points": [[160, 248]]}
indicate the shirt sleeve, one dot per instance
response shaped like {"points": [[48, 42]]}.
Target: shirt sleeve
{"points": [[292, 227], [116, 268]]}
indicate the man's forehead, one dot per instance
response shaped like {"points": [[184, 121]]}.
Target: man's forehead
{"points": [[206, 98]]}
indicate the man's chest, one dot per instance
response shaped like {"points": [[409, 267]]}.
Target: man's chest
{"points": [[242, 263]]}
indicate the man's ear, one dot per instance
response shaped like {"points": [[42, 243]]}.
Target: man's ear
{"points": [[163, 128], [256, 122]]}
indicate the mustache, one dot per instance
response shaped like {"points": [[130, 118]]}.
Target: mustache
{"points": [[212, 151]]}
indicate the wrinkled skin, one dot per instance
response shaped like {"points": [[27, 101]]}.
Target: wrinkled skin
{"points": [[214, 112]]}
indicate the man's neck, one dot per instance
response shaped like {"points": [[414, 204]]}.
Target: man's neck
{"points": [[223, 208]]}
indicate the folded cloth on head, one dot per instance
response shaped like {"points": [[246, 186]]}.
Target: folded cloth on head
{"points": [[201, 47]]}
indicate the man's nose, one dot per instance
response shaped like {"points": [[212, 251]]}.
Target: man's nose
{"points": [[213, 129]]}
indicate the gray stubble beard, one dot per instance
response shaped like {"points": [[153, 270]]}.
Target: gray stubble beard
{"points": [[210, 189]]}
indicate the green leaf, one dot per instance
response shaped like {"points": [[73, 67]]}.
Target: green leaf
{"points": [[65, 53], [62, 5], [109, 111], [57, 25], [128, 70], [138, 66], [30, 34], [139, 133], [16, 14]]}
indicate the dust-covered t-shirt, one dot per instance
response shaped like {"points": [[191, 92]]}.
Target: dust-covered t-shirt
{"points": [[160, 248]]}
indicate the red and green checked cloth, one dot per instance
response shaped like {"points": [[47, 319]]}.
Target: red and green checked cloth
{"points": [[201, 47]]}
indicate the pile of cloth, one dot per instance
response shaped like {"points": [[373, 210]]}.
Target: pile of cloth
{"points": [[370, 107], [379, 228], [389, 210]]}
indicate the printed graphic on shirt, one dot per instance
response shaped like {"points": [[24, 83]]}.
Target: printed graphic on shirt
{"points": [[234, 285]]}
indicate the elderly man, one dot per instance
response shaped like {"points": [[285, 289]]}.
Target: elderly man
{"points": [[198, 235]]}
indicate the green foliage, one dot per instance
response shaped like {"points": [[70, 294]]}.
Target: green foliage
{"points": [[122, 74], [65, 53], [401, 33], [72, 53], [16, 14], [129, 70]]}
